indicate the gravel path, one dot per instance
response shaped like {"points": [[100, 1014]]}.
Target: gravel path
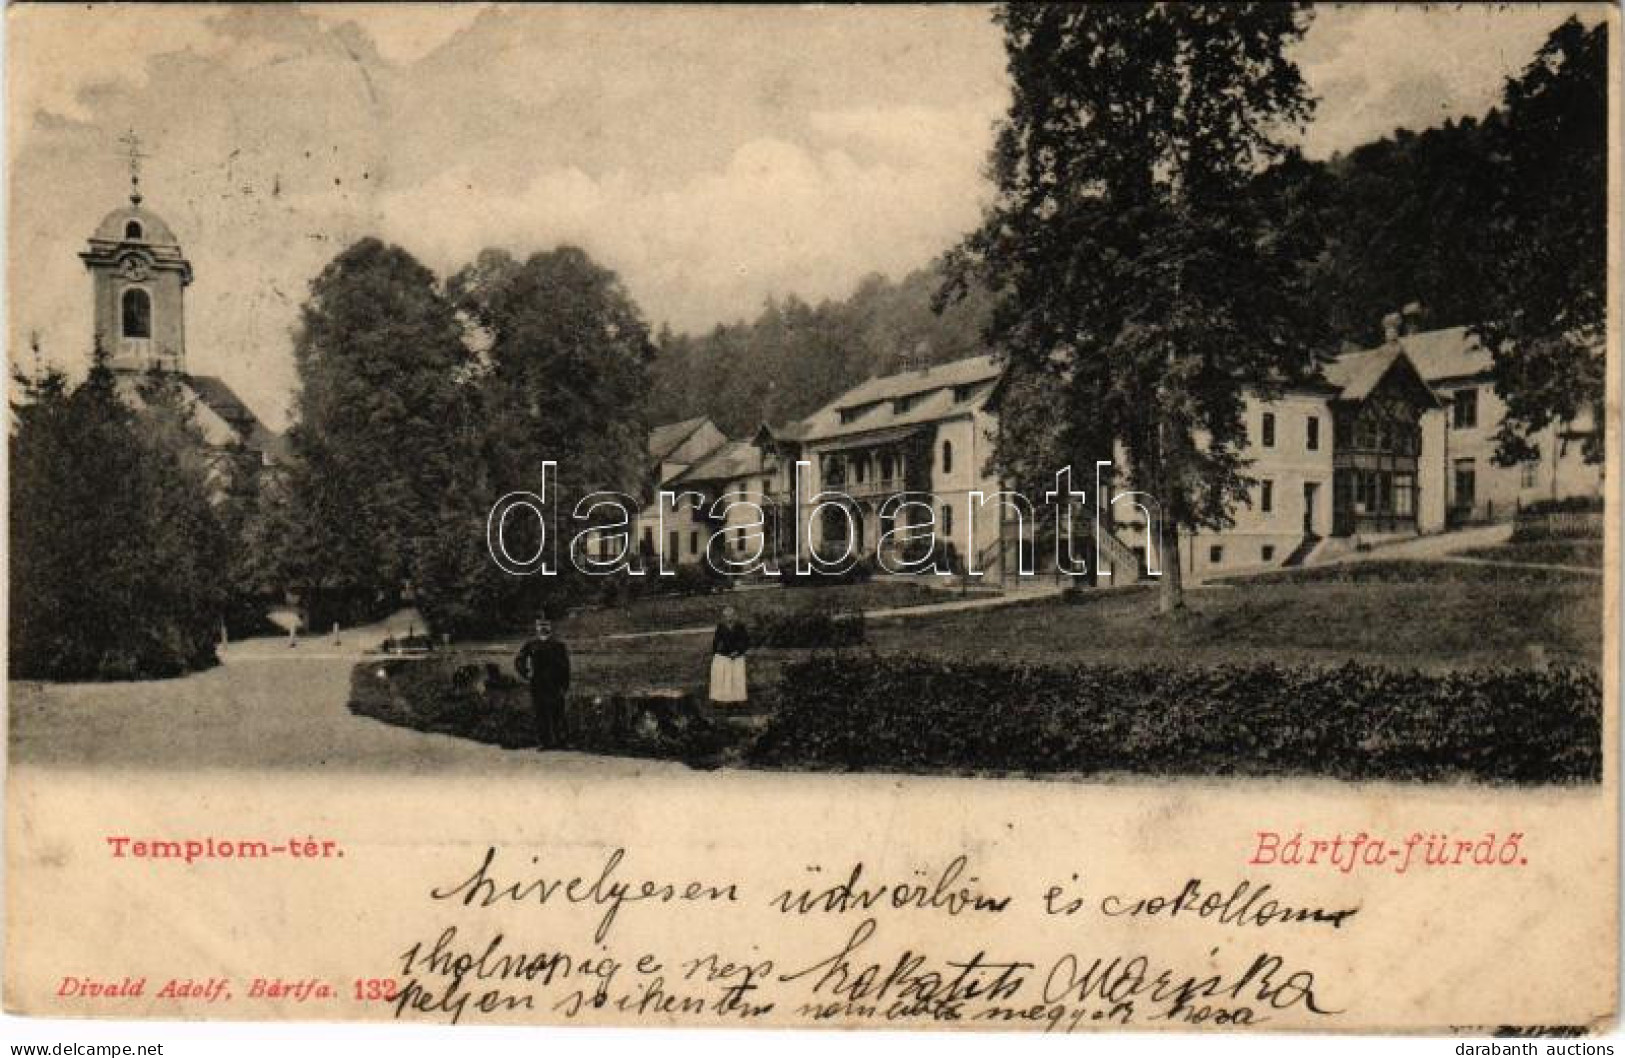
{"points": [[256, 712]]}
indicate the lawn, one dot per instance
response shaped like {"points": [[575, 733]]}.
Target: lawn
{"points": [[663, 613], [1581, 551], [1446, 616], [1439, 625], [1349, 673]]}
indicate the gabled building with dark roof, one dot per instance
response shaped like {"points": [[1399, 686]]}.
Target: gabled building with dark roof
{"points": [[1344, 459], [1458, 368], [1400, 440]]}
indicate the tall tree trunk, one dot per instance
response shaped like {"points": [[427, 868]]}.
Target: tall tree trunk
{"points": [[1171, 592]]}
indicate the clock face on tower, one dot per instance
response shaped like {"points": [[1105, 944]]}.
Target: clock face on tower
{"points": [[133, 268]]}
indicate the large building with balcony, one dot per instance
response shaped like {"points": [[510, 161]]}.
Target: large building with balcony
{"points": [[895, 453], [1387, 442]]}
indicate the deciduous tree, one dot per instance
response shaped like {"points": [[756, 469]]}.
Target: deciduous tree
{"points": [[379, 350], [1546, 315], [1134, 270]]}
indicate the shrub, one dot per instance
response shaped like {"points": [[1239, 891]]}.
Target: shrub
{"points": [[809, 628], [696, 578], [913, 714], [1574, 516], [482, 700], [861, 572]]}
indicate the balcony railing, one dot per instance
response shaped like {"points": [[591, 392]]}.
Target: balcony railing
{"points": [[872, 487]]}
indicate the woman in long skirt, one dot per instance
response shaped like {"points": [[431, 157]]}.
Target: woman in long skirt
{"points": [[728, 649]]}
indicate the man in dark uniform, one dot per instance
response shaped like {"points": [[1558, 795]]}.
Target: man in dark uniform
{"points": [[544, 663]]}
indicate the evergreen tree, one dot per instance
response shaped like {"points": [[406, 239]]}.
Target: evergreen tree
{"points": [[119, 560]]}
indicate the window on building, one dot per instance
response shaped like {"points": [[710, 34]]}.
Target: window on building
{"points": [[1312, 424], [1375, 491], [675, 545], [767, 486], [1267, 553], [1269, 429], [1405, 494], [137, 314], [1215, 555], [947, 457], [1528, 472], [1464, 409], [947, 520], [1266, 496], [132, 229], [694, 542], [1466, 482]]}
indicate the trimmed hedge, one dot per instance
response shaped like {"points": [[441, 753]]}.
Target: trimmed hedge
{"points": [[914, 714], [483, 701], [809, 628], [1566, 504], [861, 572], [1407, 571]]}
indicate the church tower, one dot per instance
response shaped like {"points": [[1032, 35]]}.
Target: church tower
{"points": [[139, 278]]}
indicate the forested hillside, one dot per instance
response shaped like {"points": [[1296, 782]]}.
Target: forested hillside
{"points": [[794, 357], [1410, 217]]}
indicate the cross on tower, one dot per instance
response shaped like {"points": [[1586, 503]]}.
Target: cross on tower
{"points": [[132, 143]]}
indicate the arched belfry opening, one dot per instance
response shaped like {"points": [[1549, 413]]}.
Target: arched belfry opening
{"points": [[136, 314]]}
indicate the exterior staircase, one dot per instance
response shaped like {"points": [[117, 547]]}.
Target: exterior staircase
{"points": [[998, 560], [1300, 554], [1124, 561]]}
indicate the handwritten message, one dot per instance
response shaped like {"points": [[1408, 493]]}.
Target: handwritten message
{"points": [[470, 968]]}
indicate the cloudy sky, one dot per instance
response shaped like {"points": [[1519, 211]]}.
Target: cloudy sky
{"points": [[712, 156]]}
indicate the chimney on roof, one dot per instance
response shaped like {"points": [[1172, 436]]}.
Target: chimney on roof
{"points": [[1407, 320], [918, 357]]}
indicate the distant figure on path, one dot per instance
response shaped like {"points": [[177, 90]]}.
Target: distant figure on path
{"points": [[728, 650], [544, 663]]}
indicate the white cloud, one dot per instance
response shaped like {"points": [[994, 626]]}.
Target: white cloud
{"points": [[778, 217], [48, 45], [712, 156], [411, 31], [1379, 67]]}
